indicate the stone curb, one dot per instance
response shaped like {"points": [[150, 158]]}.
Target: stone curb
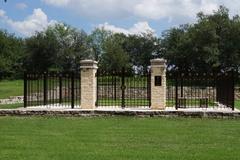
{"points": [[96, 113]]}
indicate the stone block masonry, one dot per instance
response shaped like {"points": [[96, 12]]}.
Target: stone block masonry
{"points": [[88, 84], [122, 112], [158, 84]]}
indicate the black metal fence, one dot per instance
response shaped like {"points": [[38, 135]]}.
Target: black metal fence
{"points": [[203, 90], [127, 89], [123, 89], [52, 89]]}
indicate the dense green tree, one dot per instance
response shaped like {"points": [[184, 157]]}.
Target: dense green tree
{"points": [[209, 44], [96, 41], [11, 53], [72, 46], [41, 51], [141, 49], [59, 47], [114, 57]]}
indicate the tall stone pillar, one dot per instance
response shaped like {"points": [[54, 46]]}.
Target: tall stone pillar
{"points": [[158, 84], [88, 84]]}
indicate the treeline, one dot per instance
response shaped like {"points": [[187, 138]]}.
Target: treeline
{"points": [[210, 44]]}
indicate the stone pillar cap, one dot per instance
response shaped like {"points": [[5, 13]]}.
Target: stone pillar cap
{"points": [[88, 63], [158, 61]]}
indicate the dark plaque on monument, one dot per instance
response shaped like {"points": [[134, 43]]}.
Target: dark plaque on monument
{"points": [[158, 81]]}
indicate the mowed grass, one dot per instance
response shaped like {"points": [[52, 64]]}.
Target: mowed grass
{"points": [[11, 106], [237, 104], [118, 138], [11, 88]]}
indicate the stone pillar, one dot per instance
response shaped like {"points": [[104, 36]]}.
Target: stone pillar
{"points": [[158, 84], [88, 84]]}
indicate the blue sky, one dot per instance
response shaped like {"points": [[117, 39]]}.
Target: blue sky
{"points": [[24, 17]]}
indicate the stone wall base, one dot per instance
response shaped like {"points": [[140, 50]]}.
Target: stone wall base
{"points": [[97, 113]]}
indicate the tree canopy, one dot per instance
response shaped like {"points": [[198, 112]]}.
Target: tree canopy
{"points": [[209, 44]]}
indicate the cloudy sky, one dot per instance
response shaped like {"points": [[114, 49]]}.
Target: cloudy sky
{"points": [[24, 17]]}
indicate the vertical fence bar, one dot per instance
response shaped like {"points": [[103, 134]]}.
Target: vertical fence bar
{"points": [[30, 89], [45, 89], [115, 88], [49, 86], [181, 82], [60, 88], [72, 90], [80, 90], [65, 89], [123, 88], [38, 92], [25, 90], [97, 101], [69, 89], [233, 90], [176, 91]]}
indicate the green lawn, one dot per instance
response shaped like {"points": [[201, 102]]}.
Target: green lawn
{"points": [[237, 104], [11, 88], [118, 138], [128, 102], [11, 106]]}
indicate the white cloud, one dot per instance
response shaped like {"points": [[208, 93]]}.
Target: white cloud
{"points": [[37, 21], [143, 9], [103, 9], [233, 5], [138, 28], [57, 2], [21, 6], [2, 13], [155, 9]]}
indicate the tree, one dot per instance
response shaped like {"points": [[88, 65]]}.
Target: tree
{"points": [[114, 58], [59, 47], [73, 46], [174, 48], [11, 51], [211, 44], [41, 51], [141, 49], [96, 40]]}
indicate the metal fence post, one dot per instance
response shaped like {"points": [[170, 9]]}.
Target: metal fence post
{"points": [[60, 88], [97, 75], [45, 88], [149, 88], [233, 90], [25, 90], [181, 82], [115, 88], [123, 88], [176, 92], [72, 90]]}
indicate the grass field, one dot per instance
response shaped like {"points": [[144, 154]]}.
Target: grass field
{"points": [[11, 88], [11, 106], [237, 104], [118, 138]]}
